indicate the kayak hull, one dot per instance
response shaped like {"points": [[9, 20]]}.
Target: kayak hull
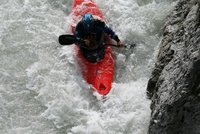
{"points": [[100, 75]]}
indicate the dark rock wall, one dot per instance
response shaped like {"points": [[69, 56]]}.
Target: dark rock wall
{"points": [[174, 86]]}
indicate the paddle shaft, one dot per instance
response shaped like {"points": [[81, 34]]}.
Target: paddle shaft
{"points": [[71, 39]]}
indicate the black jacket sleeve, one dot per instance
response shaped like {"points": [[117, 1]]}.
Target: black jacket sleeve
{"points": [[112, 34], [107, 30], [79, 31]]}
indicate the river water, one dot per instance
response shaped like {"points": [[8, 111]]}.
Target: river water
{"points": [[41, 89]]}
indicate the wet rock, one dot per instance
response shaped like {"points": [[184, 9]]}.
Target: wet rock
{"points": [[174, 86]]}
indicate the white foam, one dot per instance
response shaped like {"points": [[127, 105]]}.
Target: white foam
{"points": [[41, 88]]}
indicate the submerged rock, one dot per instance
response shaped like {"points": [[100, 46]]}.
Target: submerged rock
{"points": [[174, 86]]}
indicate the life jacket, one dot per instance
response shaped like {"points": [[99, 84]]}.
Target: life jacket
{"points": [[95, 52]]}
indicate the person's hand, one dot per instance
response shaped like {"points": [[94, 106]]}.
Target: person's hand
{"points": [[87, 42], [120, 44]]}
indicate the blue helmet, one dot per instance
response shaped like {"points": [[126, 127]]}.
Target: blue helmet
{"points": [[88, 21]]}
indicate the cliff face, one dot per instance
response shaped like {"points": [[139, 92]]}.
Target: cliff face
{"points": [[174, 86]]}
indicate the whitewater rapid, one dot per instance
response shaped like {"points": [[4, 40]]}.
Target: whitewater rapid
{"points": [[41, 89]]}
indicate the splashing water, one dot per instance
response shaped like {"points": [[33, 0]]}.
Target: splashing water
{"points": [[41, 89]]}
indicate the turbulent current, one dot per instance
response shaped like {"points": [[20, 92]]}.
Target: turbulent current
{"points": [[41, 89]]}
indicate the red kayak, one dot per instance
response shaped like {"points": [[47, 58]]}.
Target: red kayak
{"points": [[100, 75]]}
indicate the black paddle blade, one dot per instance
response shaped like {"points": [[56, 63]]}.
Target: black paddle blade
{"points": [[67, 39]]}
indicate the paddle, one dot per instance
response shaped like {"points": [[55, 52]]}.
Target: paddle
{"points": [[71, 39], [67, 39]]}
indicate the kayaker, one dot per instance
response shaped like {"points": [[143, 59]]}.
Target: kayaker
{"points": [[91, 33]]}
